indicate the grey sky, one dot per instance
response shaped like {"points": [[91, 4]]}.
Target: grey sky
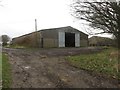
{"points": [[17, 16]]}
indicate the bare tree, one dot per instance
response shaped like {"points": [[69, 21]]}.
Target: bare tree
{"points": [[100, 15]]}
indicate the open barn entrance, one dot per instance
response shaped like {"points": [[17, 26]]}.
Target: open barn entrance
{"points": [[69, 39]]}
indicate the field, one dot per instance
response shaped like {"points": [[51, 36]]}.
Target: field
{"points": [[105, 62]]}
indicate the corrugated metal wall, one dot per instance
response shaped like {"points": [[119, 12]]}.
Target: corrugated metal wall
{"points": [[77, 39], [52, 38], [61, 39]]}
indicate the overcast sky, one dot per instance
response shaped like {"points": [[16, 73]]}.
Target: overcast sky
{"points": [[17, 17]]}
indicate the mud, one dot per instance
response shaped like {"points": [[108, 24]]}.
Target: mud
{"points": [[47, 68]]}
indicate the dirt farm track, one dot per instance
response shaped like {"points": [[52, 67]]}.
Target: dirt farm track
{"points": [[47, 68]]}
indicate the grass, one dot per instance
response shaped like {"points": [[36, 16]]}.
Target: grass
{"points": [[0, 70], [6, 72], [15, 46], [105, 62], [0, 66]]}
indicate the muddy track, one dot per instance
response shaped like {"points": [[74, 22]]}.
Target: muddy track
{"points": [[49, 69]]}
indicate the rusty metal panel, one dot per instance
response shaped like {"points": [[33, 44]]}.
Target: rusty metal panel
{"points": [[61, 37], [77, 39]]}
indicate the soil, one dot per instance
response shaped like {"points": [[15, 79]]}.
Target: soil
{"points": [[48, 68]]}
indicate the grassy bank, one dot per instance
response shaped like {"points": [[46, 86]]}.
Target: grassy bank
{"points": [[0, 70], [0, 66], [6, 71], [105, 62]]}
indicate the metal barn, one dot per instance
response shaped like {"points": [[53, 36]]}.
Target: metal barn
{"points": [[55, 37]]}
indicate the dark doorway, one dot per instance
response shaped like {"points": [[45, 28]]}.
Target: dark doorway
{"points": [[41, 42], [69, 39]]}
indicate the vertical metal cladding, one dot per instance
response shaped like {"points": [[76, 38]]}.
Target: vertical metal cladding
{"points": [[61, 38], [77, 39]]}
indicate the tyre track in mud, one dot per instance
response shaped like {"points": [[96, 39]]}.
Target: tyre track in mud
{"points": [[21, 70], [34, 69]]}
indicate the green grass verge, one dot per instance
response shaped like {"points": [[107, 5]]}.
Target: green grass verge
{"points": [[105, 62], [6, 72], [15, 46], [0, 70], [0, 66]]}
